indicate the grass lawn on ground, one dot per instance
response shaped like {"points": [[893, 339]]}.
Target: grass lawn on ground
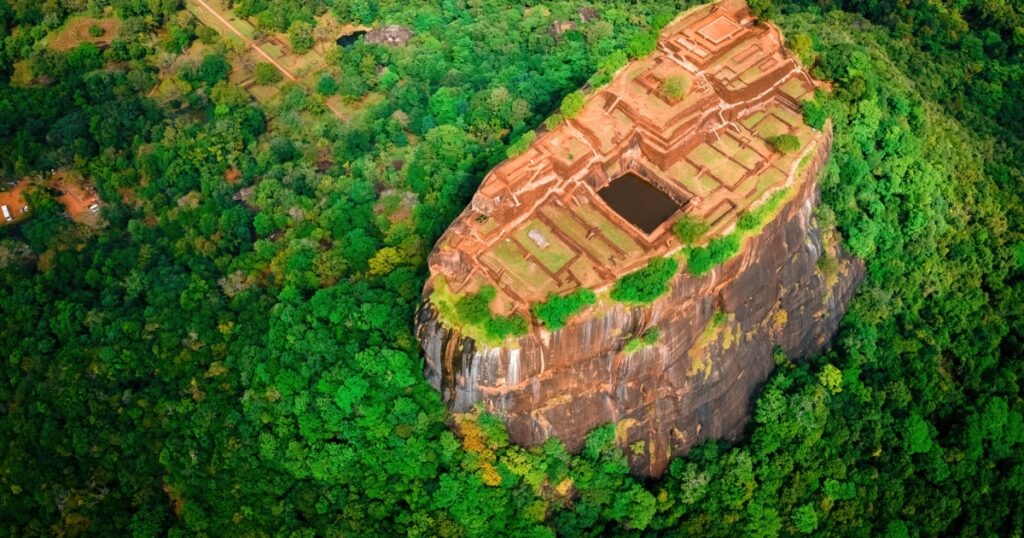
{"points": [[554, 256], [76, 31]]}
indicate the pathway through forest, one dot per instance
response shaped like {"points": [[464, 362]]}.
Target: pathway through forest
{"points": [[259, 50]]}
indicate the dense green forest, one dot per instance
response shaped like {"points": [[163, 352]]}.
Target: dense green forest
{"points": [[237, 357]]}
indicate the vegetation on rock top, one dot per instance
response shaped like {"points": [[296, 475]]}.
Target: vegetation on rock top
{"points": [[236, 357]]}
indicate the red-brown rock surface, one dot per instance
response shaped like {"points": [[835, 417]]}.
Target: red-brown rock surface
{"points": [[697, 381]]}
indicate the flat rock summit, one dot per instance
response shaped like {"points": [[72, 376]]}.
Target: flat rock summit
{"points": [[692, 131]]}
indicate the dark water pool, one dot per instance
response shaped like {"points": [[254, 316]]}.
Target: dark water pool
{"points": [[350, 39], [638, 202]]}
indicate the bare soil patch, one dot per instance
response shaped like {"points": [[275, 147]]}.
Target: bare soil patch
{"points": [[76, 32]]}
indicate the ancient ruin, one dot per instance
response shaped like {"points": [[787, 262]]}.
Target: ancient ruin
{"points": [[688, 130]]}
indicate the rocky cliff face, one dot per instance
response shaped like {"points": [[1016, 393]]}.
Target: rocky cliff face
{"points": [[696, 382]]}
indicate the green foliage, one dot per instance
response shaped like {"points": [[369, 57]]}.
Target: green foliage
{"points": [[805, 518], [266, 74], [521, 145], [646, 284], [326, 85], [642, 44], [647, 339], [572, 104], [300, 34], [831, 378], [235, 357], [802, 44], [554, 312], [553, 121], [675, 87], [784, 143], [214, 68], [690, 229], [474, 309], [700, 260], [96, 31]]}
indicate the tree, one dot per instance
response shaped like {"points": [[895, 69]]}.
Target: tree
{"points": [[646, 284], [784, 143], [266, 74], [572, 104], [690, 229], [326, 85], [554, 312], [300, 34]]}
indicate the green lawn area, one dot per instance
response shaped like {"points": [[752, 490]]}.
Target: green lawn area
{"points": [[273, 50], [748, 158], [750, 75], [608, 228], [264, 94], [686, 175], [729, 172], [771, 126], [718, 212], [709, 183], [486, 226], [788, 116], [727, 145], [509, 256], [554, 256], [76, 31], [750, 121], [564, 221], [706, 156], [794, 88]]}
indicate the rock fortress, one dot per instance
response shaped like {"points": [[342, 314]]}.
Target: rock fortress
{"points": [[689, 132]]}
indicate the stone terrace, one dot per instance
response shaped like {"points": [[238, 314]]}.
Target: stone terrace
{"points": [[537, 225]]}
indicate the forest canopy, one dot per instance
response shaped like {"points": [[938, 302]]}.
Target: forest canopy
{"points": [[232, 353]]}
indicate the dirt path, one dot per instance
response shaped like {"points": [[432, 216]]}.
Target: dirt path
{"points": [[247, 41], [252, 44]]}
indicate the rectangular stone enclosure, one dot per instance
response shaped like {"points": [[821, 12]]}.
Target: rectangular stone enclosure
{"points": [[639, 202]]}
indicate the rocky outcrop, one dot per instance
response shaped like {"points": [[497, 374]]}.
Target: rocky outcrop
{"points": [[695, 383], [695, 123], [391, 36]]}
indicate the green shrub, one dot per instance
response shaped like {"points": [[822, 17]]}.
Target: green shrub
{"points": [[753, 220], [520, 146], [475, 309], [572, 104], [300, 33], [690, 229], [96, 31], [327, 85], [552, 121], [501, 327], [675, 87], [700, 260], [642, 44], [646, 284], [557, 309], [266, 74], [819, 109], [649, 338], [784, 143]]}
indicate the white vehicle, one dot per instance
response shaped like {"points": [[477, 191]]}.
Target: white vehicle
{"points": [[94, 208], [7, 214]]}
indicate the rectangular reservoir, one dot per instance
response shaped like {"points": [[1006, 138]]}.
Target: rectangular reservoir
{"points": [[639, 202]]}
